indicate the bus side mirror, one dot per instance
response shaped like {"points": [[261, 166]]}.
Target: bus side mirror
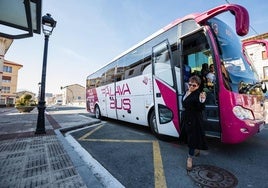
{"points": [[241, 17]]}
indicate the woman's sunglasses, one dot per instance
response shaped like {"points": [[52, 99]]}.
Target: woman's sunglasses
{"points": [[192, 85]]}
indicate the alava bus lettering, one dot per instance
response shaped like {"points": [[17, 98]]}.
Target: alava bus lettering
{"points": [[121, 104], [92, 98], [120, 91]]}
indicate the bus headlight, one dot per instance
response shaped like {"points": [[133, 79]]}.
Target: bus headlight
{"points": [[242, 113]]}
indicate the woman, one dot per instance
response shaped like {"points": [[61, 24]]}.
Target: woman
{"points": [[192, 131]]}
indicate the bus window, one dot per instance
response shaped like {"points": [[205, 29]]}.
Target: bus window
{"points": [[134, 70], [145, 64], [132, 62], [196, 53], [163, 64], [119, 73], [109, 75], [233, 60], [119, 69], [188, 26]]}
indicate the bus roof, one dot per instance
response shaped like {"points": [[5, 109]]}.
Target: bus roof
{"points": [[241, 17], [160, 31]]}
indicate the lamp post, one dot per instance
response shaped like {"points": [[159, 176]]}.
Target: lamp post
{"points": [[39, 90], [48, 24]]}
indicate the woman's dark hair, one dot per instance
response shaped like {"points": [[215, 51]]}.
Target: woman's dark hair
{"points": [[195, 79]]}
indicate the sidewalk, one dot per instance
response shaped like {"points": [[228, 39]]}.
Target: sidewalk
{"points": [[29, 160]]}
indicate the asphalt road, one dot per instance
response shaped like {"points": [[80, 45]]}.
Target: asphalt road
{"points": [[133, 156]]}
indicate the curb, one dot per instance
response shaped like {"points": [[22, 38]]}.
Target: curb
{"points": [[67, 129]]}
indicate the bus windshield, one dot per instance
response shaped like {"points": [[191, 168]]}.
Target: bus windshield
{"points": [[234, 67]]}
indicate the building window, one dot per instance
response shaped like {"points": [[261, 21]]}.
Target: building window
{"points": [[10, 101], [265, 72], [7, 69], [2, 101], [6, 79], [5, 89], [264, 55]]}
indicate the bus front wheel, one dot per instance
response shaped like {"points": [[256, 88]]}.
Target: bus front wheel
{"points": [[97, 112], [153, 125]]}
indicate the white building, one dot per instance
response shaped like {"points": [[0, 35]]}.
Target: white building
{"points": [[256, 48], [258, 55], [74, 94]]}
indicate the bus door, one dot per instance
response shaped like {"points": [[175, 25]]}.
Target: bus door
{"points": [[198, 55], [165, 96]]}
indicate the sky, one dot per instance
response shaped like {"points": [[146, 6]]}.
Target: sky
{"points": [[90, 33]]}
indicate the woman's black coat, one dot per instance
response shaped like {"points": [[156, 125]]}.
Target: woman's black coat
{"points": [[192, 131]]}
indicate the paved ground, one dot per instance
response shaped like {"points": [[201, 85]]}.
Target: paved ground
{"points": [[30, 160]]}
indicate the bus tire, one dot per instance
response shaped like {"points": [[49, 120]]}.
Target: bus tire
{"points": [[97, 112], [153, 126]]}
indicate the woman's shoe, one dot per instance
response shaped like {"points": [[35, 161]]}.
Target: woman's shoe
{"points": [[196, 152], [189, 166]]}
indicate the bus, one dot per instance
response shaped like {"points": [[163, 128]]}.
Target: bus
{"points": [[144, 85]]}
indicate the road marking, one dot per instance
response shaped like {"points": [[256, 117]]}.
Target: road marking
{"points": [[115, 140], [90, 132], [159, 175]]}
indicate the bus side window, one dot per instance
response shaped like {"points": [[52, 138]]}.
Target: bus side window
{"points": [[178, 77], [187, 72], [119, 74]]}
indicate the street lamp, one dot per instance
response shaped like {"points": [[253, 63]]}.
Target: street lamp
{"points": [[39, 90], [48, 24]]}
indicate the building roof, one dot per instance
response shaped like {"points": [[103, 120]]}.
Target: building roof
{"points": [[12, 63], [257, 37], [74, 85]]}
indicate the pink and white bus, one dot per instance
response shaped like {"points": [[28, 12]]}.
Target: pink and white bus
{"points": [[145, 84]]}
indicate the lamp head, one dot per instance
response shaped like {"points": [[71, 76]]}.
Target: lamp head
{"points": [[48, 24]]}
